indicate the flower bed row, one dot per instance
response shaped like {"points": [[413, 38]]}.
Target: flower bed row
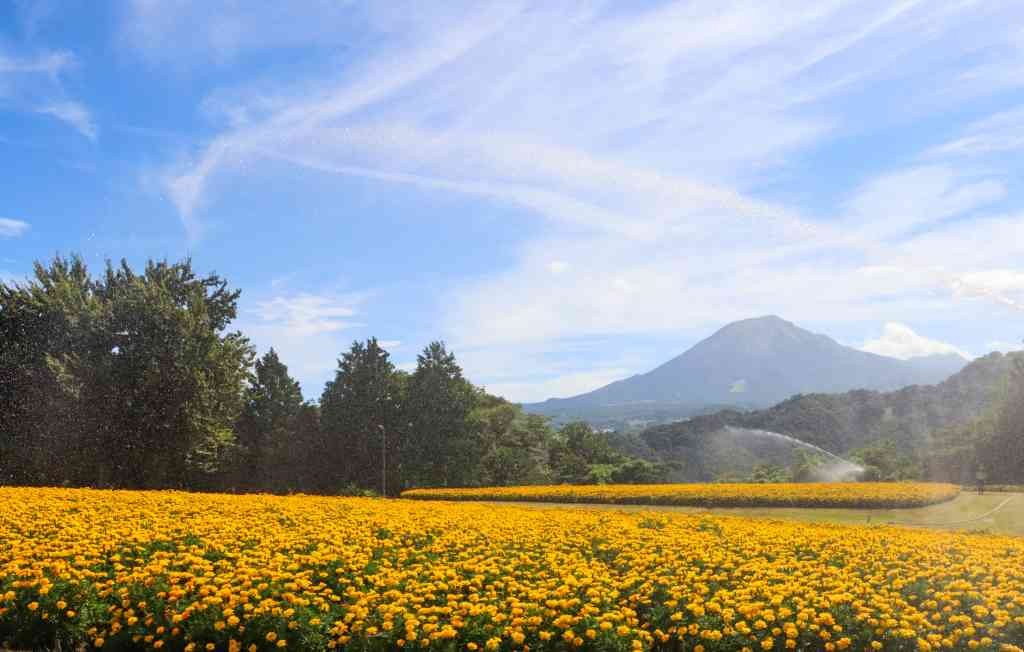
{"points": [[839, 494]]}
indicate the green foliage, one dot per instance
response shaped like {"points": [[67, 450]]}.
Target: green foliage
{"points": [[768, 473], [361, 419], [938, 432], [513, 445], [1000, 447], [579, 454], [884, 462], [126, 380], [270, 432], [438, 449], [805, 466]]}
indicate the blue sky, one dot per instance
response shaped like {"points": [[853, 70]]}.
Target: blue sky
{"points": [[567, 193]]}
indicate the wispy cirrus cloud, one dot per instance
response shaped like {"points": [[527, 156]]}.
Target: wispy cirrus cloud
{"points": [[648, 141], [308, 314], [996, 134], [74, 114], [50, 64], [307, 329], [32, 83]]}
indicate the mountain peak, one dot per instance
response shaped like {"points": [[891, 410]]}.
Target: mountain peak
{"points": [[756, 362], [758, 337], [762, 321]]}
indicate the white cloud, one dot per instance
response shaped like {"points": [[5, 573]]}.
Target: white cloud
{"points": [[308, 330], [304, 314], [12, 228], [74, 114], [645, 140], [1003, 285], [892, 204], [389, 345], [33, 84], [900, 341], [995, 134], [50, 64], [188, 33], [301, 117]]}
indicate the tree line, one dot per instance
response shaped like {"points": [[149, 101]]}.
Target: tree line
{"points": [[134, 380]]}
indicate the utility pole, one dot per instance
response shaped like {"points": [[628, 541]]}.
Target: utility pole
{"points": [[383, 461]]}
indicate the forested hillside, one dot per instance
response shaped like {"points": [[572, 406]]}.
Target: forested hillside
{"points": [[944, 430], [133, 379]]}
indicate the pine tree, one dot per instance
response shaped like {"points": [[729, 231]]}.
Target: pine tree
{"points": [[361, 412], [267, 428], [439, 450]]}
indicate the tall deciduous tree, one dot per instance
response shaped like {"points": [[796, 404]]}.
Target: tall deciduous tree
{"points": [[514, 445], [133, 373]]}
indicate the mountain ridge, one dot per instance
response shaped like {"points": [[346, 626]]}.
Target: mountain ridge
{"points": [[751, 363]]}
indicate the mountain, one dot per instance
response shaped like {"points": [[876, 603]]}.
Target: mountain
{"points": [[750, 363], [918, 419]]}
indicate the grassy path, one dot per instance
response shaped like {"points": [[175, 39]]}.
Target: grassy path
{"points": [[1001, 513]]}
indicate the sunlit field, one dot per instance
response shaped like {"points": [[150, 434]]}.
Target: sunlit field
{"points": [[177, 571], [839, 494], [995, 512]]}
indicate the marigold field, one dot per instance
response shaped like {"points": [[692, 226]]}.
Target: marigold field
{"points": [[838, 494], [176, 571]]}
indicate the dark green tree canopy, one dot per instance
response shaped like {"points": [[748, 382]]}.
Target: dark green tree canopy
{"points": [[267, 425], [133, 373], [360, 411]]}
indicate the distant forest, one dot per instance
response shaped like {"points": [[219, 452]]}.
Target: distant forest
{"points": [[132, 380]]}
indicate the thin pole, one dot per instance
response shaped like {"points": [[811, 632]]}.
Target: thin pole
{"points": [[383, 461]]}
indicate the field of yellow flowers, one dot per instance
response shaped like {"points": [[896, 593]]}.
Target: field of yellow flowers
{"points": [[838, 494], [176, 571]]}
